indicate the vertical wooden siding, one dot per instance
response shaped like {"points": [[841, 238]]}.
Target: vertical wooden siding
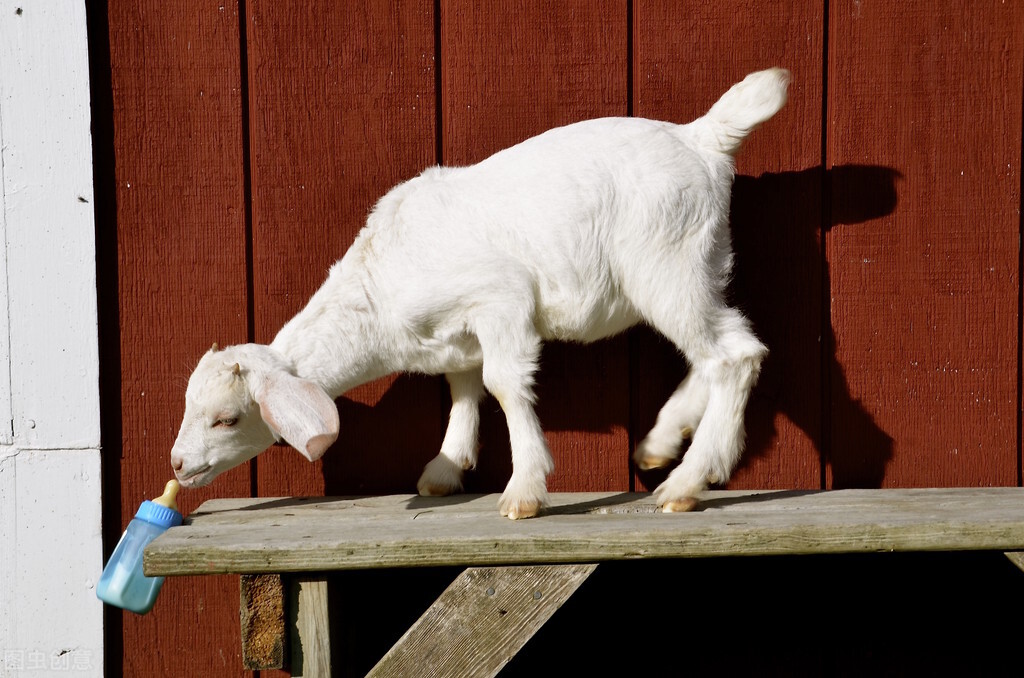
{"points": [[342, 105], [875, 220], [509, 72], [176, 87], [925, 300]]}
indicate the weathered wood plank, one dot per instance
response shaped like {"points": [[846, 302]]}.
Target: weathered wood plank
{"points": [[482, 620], [311, 629], [284, 535], [261, 612]]}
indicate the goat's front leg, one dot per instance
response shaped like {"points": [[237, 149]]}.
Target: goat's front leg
{"points": [[510, 355], [526, 493], [443, 475]]}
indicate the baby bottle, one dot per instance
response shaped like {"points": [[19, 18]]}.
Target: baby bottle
{"points": [[122, 583]]}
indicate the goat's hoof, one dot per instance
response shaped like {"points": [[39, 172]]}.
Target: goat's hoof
{"points": [[645, 459], [652, 453], [649, 462], [523, 507], [686, 432], [440, 478], [524, 497], [520, 510], [683, 505], [426, 490]]}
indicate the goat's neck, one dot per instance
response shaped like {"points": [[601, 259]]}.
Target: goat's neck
{"points": [[335, 341]]}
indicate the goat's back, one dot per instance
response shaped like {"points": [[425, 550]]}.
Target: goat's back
{"points": [[560, 217]]}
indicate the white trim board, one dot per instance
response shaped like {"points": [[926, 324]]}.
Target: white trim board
{"points": [[50, 501]]}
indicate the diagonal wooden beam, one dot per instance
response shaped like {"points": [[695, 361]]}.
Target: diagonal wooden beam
{"points": [[482, 620], [1016, 557]]}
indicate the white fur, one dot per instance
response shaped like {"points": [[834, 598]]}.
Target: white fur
{"points": [[576, 234]]}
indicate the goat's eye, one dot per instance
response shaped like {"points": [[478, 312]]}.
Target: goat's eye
{"points": [[229, 421]]}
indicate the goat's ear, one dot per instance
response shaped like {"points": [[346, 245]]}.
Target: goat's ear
{"points": [[300, 412]]}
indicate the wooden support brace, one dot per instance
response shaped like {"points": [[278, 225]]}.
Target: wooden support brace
{"points": [[482, 620], [267, 631], [310, 627], [1016, 557], [261, 612]]}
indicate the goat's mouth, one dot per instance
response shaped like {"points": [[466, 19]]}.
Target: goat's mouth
{"points": [[197, 477]]}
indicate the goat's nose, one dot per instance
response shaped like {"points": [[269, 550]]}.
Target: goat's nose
{"points": [[177, 463]]}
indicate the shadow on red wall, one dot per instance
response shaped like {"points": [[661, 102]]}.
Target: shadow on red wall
{"points": [[783, 283]]}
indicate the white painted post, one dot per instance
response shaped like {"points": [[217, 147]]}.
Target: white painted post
{"points": [[50, 511]]}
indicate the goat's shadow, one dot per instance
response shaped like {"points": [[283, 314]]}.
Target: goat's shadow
{"points": [[781, 282]]}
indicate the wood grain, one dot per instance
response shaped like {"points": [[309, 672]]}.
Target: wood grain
{"points": [[342, 108], [511, 70], [262, 620], [481, 621], [283, 535], [686, 55], [925, 300], [311, 631], [180, 233]]}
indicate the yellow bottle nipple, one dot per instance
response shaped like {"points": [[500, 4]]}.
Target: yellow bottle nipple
{"points": [[168, 497]]}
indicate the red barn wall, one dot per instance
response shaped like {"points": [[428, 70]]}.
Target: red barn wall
{"points": [[876, 222]]}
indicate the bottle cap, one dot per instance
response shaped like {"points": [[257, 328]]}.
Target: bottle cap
{"points": [[162, 511]]}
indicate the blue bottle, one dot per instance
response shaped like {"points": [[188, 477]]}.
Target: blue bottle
{"points": [[122, 583]]}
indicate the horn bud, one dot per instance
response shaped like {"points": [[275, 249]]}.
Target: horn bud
{"points": [[214, 348], [236, 369]]}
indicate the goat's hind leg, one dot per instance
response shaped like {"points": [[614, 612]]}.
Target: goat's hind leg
{"points": [[443, 475], [727, 357], [677, 421]]}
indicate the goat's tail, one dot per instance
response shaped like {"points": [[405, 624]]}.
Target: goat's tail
{"points": [[746, 105]]}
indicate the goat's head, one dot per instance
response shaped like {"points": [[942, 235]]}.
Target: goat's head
{"points": [[240, 400]]}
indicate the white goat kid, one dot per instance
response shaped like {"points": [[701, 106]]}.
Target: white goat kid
{"points": [[576, 234]]}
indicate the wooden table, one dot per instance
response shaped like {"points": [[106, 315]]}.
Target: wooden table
{"points": [[520, 572]]}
